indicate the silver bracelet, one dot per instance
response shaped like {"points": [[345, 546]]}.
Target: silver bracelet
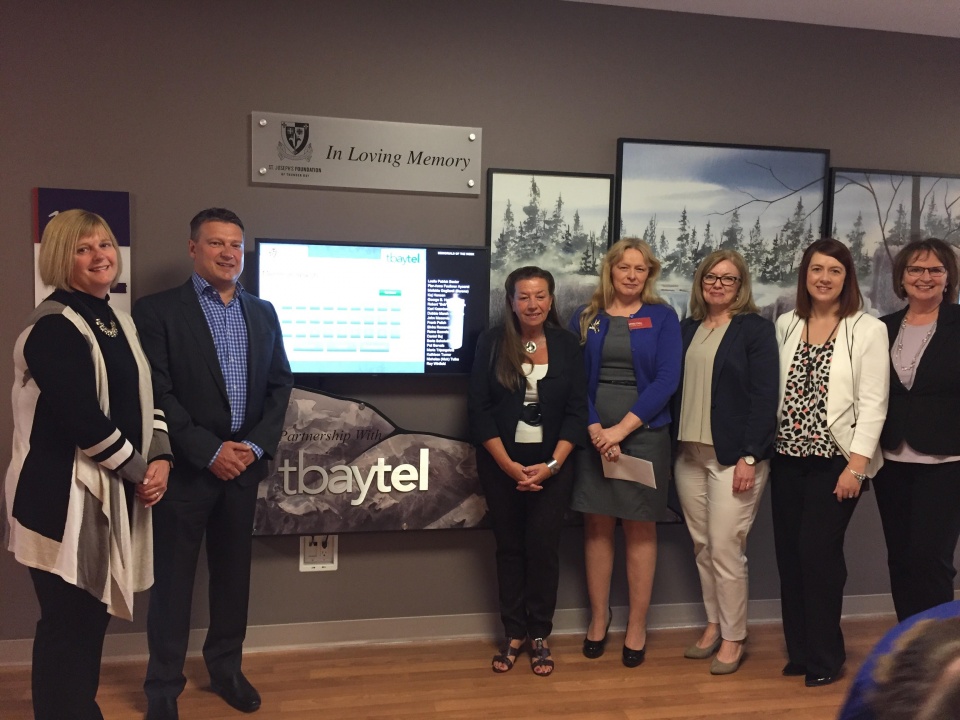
{"points": [[859, 476]]}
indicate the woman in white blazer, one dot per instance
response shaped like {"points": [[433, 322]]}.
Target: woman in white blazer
{"points": [[834, 380]]}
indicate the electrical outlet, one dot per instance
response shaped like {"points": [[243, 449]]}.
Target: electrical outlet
{"points": [[318, 552]]}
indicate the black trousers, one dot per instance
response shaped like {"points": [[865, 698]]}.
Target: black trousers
{"points": [[526, 526], [920, 510], [221, 512], [66, 650], [808, 529]]}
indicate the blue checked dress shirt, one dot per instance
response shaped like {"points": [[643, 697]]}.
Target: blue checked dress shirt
{"points": [[229, 331]]}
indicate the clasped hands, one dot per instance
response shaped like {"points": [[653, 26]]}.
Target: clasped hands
{"points": [[606, 440], [232, 460], [154, 484], [529, 477]]}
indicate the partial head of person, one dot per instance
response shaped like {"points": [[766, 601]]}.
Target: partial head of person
{"points": [[827, 280], [925, 271], [78, 251], [920, 678], [216, 246], [721, 285]]}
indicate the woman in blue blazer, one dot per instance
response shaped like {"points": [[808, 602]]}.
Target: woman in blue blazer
{"points": [[631, 341], [725, 419]]}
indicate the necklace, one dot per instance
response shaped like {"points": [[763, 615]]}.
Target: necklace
{"points": [[898, 351], [531, 346], [815, 356], [111, 331]]}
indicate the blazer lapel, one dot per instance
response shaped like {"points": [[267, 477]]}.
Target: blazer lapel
{"points": [[255, 331], [196, 323], [726, 342]]}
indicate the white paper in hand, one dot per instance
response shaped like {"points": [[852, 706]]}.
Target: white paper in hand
{"points": [[630, 468]]}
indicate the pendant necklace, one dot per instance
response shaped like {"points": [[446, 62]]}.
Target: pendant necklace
{"points": [[530, 346]]}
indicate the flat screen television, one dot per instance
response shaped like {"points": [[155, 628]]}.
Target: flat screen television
{"points": [[376, 309]]}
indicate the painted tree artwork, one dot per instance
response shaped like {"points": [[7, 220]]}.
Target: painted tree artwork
{"points": [[876, 212], [557, 221], [687, 200]]}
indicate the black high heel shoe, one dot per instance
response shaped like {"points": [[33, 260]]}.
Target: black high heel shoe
{"points": [[594, 648], [632, 658]]}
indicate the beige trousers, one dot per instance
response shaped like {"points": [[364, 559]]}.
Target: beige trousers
{"points": [[719, 521]]}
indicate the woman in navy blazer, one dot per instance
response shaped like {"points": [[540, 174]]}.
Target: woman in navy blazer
{"points": [[918, 487], [528, 409], [725, 418]]}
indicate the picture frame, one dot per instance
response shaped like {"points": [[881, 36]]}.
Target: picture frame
{"points": [[687, 199], [876, 212], [560, 221]]}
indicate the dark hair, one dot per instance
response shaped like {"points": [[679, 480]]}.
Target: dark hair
{"points": [[213, 215], [511, 353], [850, 298], [943, 252], [919, 677]]}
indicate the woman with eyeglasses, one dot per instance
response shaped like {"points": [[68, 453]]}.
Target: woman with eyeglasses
{"points": [[918, 489], [631, 342], [725, 423], [528, 409], [834, 376]]}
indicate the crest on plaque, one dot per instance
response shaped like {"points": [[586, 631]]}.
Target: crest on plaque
{"points": [[295, 143]]}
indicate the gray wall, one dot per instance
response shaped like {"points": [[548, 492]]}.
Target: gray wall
{"points": [[154, 98]]}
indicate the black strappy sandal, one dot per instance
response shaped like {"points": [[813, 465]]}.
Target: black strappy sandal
{"points": [[540, 659], [507, 655]]}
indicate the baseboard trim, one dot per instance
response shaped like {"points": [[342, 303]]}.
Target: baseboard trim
{"points": [[300, 636]]}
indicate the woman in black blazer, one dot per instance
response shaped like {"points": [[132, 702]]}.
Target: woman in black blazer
{"points": [[726, 419], [528, 408], [918, 488]]}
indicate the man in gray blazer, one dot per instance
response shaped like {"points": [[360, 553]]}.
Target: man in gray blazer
{"points": [[221, 376]]}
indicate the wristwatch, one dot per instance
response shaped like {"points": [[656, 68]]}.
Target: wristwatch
{"points": [[553, 466], [749, 460]]}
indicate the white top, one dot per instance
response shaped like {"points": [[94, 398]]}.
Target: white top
{"points": [[531, 433]]}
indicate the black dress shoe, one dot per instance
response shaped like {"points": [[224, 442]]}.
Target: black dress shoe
{"points": [[632, 658], [238, 693], [162, 709], [594, 648], [815, 680], [792, 669]]}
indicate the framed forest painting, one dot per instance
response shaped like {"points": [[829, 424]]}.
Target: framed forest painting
{"points": [[876, 212], [689, 199], [558, 221]]}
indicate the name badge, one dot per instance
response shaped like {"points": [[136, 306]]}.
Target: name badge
{"points": [[640, 323]]}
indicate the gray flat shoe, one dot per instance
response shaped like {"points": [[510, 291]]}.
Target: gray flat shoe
{"points": [[722, 668], [695, 652]]}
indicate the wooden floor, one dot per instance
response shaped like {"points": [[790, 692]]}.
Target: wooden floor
{"points": [[452, 680]]}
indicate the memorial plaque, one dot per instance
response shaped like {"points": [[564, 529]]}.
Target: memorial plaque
{"points": [[364, 154]]}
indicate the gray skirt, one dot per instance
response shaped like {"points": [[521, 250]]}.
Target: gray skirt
{"points": [[594, 493]]}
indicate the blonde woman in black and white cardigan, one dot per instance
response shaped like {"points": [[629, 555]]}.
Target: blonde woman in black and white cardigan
{"points": [[79, 486]]}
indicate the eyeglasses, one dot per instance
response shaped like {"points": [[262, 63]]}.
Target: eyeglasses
{"points": [[916, 271], [725, 280]]}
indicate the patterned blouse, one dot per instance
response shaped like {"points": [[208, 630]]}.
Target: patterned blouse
{"points": [[803, 428]]}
